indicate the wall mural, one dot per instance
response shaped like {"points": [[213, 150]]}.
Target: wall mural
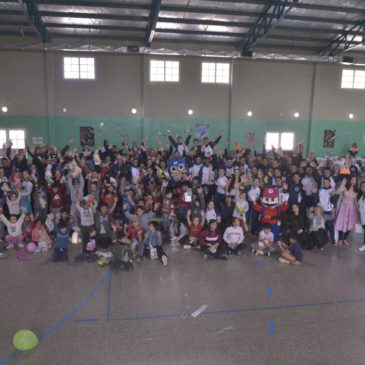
{"points": [[87, 136], [329, 137]]}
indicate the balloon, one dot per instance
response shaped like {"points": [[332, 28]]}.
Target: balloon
{"points": [[25, 340], [31, 247]]}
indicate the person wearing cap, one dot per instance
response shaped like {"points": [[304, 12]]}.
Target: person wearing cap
{"points": [[270, 210]]}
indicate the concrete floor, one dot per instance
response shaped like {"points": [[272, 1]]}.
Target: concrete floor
{"points": [[259, 311]]}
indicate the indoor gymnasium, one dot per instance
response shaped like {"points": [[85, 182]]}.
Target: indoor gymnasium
{"points": [[182, 182]]}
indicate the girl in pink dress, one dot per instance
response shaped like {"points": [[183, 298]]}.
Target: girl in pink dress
{"points": [[347, 214]]}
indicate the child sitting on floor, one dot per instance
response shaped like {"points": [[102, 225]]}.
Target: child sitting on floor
{"points": [[318, 232], [14, 226], [195, 229], [122, 252], [136, 233], [153, 240], [40, 236], [291, 253], [233, 237], [265, 243]]}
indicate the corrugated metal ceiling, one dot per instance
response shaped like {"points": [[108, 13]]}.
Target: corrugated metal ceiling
{"points": [[307, 27]]}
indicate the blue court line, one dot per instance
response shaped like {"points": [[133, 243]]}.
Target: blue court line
{"points": [[271, 327], [260, 264], [64, 320], [146, 318], [243, 310], [269, 290], [86, 320], [107, 313]]}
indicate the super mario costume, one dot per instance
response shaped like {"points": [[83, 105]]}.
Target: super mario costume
{"points": [[270, 211]]}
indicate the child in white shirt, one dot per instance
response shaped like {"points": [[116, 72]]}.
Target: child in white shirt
{"points": [[233, 237], [265, 243], [14, 226]]}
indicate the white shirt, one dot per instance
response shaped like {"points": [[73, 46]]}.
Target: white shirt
{"points": [[210, 214], [253, 194], [207, 176], [233, 235], [325, 199], [222, 180]]}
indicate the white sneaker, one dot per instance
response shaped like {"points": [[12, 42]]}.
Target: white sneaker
{"points": [[164, 260], [362, 248], [283, 261], [187, 247], [21, 245], [9, 246]]}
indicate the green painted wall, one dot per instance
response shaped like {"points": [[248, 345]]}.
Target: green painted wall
{"points": [[58, 130]]}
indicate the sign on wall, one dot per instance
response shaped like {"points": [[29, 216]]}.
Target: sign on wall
{"points": [[37, 140], [329, 137], [87, 136], [250, 138], [201, 131]]}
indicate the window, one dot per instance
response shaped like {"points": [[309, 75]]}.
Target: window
{"points": [[353, 79], [285, 140], [164, 71], [17, 136], [2, 137], [215, 73], [79, 68]]}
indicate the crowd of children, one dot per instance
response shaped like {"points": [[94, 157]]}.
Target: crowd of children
{"points": [[134, 201]]}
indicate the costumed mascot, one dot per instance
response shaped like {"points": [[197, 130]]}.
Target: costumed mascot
{"points": [[176, 168], [270, 210]]}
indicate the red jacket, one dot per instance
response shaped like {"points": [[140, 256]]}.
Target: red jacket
{"points": [[270, 214], [209, 237], [57, 199]]}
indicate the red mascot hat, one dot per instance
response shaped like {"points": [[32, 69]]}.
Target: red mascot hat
{"points": [[270, 193]]}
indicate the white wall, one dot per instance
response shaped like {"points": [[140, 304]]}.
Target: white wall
{"points": [[31, 83]]}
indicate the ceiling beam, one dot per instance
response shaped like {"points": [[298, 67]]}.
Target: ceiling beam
{"points": [[152, 22], [95, 4], [57, 14], [115, 5], [345, 41], [336, 9], [30, 10], [266, 23]]}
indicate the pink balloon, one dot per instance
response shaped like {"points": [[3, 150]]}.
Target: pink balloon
{"points": [[31, 247]]}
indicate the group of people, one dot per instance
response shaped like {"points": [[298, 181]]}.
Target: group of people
{"points": [[129, 202]]}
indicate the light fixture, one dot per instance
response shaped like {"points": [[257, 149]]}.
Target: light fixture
{"points": [[351, 116], [190, 111], [249, 113], [296, 115], [4, 109], [64, 110], [134, 111]]}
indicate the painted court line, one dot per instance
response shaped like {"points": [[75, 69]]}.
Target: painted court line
{"points": [[108, 301], [64, 320], [87, 320], [269, 290], [243, 310], [271, 327]]}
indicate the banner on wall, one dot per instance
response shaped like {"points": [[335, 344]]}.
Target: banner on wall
{"points": [[87, 136], [37, 140], [201, 131], [329, 137], [250, 138]]}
